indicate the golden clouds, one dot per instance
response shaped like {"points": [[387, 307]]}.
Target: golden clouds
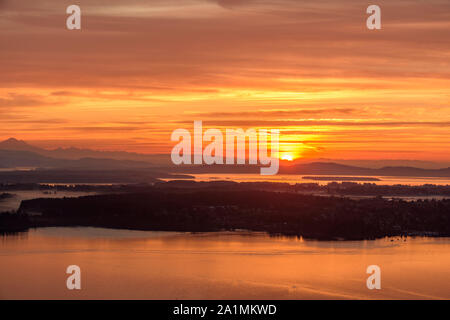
{"points": [[136, 72]]}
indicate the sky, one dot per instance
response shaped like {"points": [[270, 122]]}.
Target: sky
{"points": [[139, 69]]}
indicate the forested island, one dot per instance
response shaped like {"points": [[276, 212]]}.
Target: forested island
{"points": [[216, 209], [5, 196], [325, 178], [333, 188]]}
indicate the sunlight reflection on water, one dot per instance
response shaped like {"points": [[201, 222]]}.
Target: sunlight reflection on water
{"points": [[125, 264]]}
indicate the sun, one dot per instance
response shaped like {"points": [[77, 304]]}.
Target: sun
{"points": [[287, 157]]}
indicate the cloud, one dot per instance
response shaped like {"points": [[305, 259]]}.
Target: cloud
{"points": [[287, 38], [62, 93], [319, 123], [277, 113], [20, 100], [230, 4], [36, 121], [291, 64]]}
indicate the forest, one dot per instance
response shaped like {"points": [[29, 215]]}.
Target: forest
{"points": [[199, 210]]}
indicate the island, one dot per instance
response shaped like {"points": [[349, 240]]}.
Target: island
{"points": [[322, 178], [229, 206]]}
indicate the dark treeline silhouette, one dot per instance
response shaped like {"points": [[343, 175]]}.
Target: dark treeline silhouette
{"points": [[333, 178], [194, 210], [5, 196], [332, 188], [11, 222]]}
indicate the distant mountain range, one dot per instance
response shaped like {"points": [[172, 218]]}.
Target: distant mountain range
{"points": [[327, 168], [20, 159], [15, 153], [318, 168], [76, 153], [71, 166]]}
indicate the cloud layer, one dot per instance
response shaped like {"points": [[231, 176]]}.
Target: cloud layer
{"points": [[303, 66]]}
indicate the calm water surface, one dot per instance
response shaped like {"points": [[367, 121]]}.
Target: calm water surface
{"points": [[123, 264]]}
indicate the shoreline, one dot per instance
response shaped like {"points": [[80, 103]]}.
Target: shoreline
{"points": [[277, 213], [242, 232]]}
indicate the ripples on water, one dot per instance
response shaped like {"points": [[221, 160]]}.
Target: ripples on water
{"points": [[124, 264]]}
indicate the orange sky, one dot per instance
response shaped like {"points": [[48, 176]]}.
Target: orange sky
{"points": [[140, 69]]}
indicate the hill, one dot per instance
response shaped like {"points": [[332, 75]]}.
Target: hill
{"points": [[17, 153], [71, 153]]}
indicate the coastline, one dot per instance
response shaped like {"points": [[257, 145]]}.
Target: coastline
{"points": [[222, 209]]}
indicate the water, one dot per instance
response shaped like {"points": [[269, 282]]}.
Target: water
{"points": [[123, 264], [292, 179]]}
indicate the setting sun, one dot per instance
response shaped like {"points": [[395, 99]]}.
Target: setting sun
{"points": [[196, 152], [287, 157]]}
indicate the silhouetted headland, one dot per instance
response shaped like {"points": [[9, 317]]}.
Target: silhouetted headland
{"points": [[222, 208], [323, 178]]}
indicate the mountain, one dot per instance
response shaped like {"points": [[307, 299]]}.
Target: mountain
{"points": [[76, 153], [378, 164], [19, 158], [327, 168], [164, 159], [316, 168], [16, 153], [17, 145]]}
